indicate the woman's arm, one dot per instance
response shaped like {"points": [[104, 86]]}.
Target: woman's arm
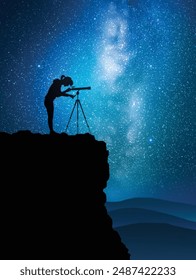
{"points": [[64, 93]]}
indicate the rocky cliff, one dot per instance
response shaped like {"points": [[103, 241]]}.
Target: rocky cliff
{"points": [[53, 200]]}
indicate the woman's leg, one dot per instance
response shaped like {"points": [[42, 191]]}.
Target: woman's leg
{"points": [[50, 111]]}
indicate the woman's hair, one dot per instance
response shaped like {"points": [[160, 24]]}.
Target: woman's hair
{"points": [[67, 79]]}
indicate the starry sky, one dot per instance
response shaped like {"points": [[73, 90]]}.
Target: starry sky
{"points": [[138, 56]]}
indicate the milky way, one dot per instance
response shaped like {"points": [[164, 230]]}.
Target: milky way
{"points": [[139, 59]]}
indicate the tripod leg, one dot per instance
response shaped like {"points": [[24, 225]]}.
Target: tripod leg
{"points": [[84, 115], [71, 115]]}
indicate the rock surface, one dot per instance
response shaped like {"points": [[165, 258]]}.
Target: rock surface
{"points": [[53, 200]]}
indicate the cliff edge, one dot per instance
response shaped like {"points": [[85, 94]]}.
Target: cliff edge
{"points": [[53, 200]]}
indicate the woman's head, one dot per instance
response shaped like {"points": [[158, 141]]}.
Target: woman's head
{"points": [[66, 81]]}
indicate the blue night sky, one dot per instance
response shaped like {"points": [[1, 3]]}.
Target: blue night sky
{"points": [[138, 56]]}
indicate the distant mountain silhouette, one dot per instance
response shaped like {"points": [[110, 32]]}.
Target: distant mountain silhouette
{"points": [[127, 216], [159, 241], [53, 200], [155, 228], [181, 210]]}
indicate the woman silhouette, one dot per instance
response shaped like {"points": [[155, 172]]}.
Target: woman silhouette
{"points": [[53, 92]]}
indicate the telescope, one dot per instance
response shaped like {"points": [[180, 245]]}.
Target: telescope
{"points": [[80, 88]]}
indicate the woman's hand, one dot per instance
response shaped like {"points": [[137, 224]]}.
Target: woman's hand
{"points": [[68, 89]]}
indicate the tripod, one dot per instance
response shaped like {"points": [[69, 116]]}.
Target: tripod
{"points": [[76, 105]]}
